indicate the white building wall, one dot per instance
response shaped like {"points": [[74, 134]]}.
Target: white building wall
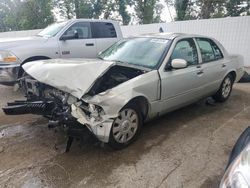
{"points": [[233, 33], [132, 30], [19, 33]]}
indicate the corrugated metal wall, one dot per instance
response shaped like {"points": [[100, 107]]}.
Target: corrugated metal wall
{"points": [[233, 33]]}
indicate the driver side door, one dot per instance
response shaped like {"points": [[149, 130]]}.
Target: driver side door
{"points": [[82, 46], [181, 86]]}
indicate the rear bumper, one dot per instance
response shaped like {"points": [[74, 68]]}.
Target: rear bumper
{"points": [[239, 73], [9, 73]]}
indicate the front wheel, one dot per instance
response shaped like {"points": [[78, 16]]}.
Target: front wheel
{"points": [[225, 89], [126, 127]]}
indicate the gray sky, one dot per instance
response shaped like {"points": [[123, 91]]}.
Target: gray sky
{"points": [[166, 14]]}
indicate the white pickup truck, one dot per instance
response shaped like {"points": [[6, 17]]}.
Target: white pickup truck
{"points": [[79, 38]]}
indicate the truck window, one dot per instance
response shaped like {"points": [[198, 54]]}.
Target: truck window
{"points": [[103, 30], [82, 28]]}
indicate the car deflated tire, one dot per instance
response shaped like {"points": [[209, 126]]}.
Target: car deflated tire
{"points": [[225, 89], [125, 127]]}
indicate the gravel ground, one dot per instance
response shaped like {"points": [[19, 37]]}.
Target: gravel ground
{"points": [[185, 148]]}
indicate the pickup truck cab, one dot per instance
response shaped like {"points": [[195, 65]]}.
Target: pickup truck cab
{"points": [[79, 38]]}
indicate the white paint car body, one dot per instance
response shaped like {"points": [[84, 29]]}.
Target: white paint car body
{"points": [[43, 46], [155, 91]]}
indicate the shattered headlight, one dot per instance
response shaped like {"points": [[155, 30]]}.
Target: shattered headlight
{"points": [[8, 57], [238, 173], [95, 110]]}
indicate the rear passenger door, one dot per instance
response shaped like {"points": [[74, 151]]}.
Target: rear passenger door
{"points": [[83, 46], [104, 34], [213, 64]]}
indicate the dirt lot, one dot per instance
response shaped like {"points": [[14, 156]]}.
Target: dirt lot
{"points": [[186, 148]]}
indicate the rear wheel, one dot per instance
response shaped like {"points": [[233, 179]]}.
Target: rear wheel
{"points": [[126, 127], [225, 89]]}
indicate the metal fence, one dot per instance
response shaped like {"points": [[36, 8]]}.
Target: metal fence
{"points": [[232, 32]]}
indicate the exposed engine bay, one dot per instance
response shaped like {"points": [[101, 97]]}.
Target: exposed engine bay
{"points": [[113, 77], [56, 105]]}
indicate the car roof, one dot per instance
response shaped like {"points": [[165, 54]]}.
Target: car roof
{"points": [[170, 35]]}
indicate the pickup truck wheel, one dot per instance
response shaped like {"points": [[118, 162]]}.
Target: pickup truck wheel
{"points": [[225, 89], [126, 127]]}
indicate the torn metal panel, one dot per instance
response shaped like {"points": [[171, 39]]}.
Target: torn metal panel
{"points": [[145, 85], [99, 126]]}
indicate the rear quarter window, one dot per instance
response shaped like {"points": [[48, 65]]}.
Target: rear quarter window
{"points": [[103, 30]]}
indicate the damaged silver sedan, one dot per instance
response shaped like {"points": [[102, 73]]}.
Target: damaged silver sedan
{"points": [[130, 83]]}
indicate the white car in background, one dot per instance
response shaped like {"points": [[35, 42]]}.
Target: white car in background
{"points": [[79, 38], [131, 82]]}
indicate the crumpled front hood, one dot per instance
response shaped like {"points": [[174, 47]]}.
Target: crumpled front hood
{"points": [[8, 43], [74, 76]]}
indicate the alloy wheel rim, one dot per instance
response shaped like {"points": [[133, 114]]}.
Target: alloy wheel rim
{"points": [[226, 87], [125, 126]]}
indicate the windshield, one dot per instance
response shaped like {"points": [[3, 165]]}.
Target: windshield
{"points": [[52, 30], [146, 52]]}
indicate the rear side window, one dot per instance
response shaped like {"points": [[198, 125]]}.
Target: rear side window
{"points": [[217, 52], [209, 50], [103, 30]]}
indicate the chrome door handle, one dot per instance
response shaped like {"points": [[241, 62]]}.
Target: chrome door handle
{"points": [[89, 44], [200, 72]]}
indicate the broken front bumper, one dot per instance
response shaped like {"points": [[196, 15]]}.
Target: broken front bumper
{"points": [[100, 128], [9, 73], [25, 107]]}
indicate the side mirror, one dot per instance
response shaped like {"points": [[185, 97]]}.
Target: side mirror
{"points": [[70, 36], [100, 53], [179, 63]]}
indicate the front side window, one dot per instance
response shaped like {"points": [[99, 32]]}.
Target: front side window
{"points": [[81, 29], [103, 30], [209, 50], [146, 52], [186, 49]]}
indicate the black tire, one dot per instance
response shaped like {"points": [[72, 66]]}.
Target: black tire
{"points": [[113, 143], [220, 95], [241, 143]]}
